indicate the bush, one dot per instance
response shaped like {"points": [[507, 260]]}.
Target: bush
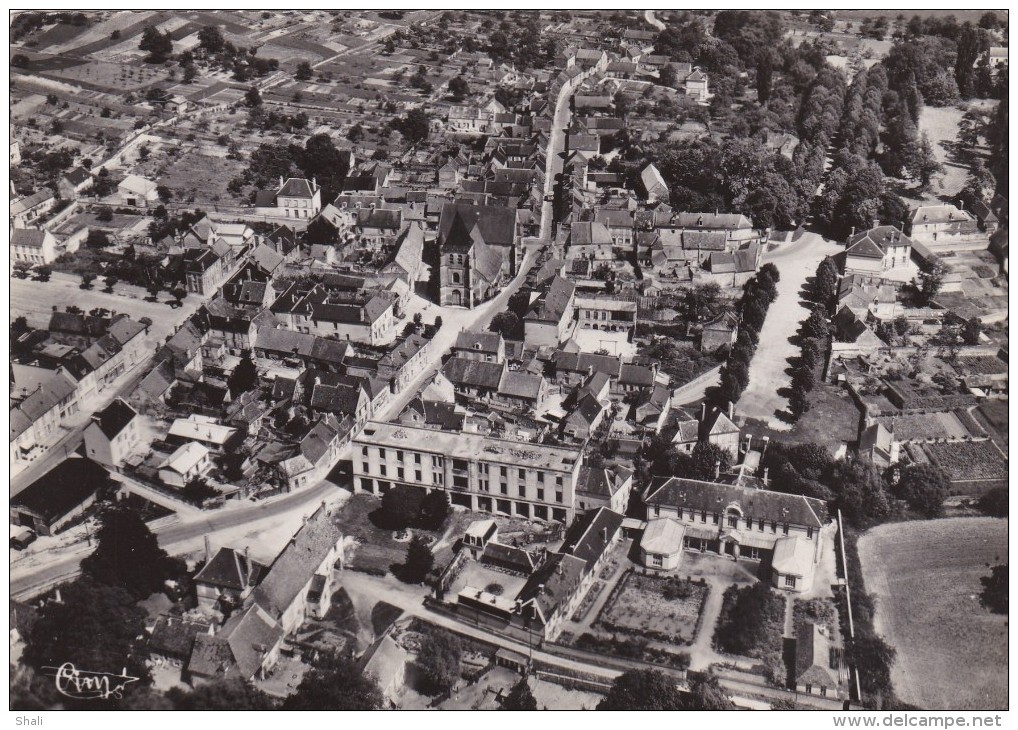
{"points": [[994, 502]]}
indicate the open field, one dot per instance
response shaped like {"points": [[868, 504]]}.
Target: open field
{"points": [[925, 577], [640, 607], [194, 177], [992, 414], [941, 125], [832, 420]]}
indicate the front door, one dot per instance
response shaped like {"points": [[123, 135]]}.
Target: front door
{"points": [[729, 547]]}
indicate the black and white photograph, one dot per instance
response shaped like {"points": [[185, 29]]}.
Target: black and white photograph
{"points": [[509, 359]]}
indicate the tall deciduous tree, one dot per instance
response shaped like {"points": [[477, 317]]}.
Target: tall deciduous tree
{"points": [[128, 555], [643, 689], [439, 659], [334, 683], [520, 697], [924, 487]]}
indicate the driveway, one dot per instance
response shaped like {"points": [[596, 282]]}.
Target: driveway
{"points": [[765, 397]]}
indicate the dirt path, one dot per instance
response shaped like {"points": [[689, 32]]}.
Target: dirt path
{"points": [[764, 397]]}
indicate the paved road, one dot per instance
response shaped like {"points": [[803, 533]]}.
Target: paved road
{"points": [[556, 147], [796, 262], [649, 16]]}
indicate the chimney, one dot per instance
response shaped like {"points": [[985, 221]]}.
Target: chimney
{"points": [[703, 411], [717, 468], [208, 549], [280, 181], [731, 411], [314, 184], [604, 534], [57, 598], [765, 479]]}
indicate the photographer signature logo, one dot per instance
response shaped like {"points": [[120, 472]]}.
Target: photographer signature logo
{"points": [[82, 685]]}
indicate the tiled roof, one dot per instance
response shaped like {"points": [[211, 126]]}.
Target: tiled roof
{"points": [[112, 419], [757, 503], [473, 373], [296, 187], [62, 489]]}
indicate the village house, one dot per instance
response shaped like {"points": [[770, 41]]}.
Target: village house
{"points": [[654, 185], [362, 315], [71, 185], [814, 655], [940, 223], [112, 434], [607, 486], [550, 318], [297, 198], [484, 346], [33, 246], [877, 250], [37, 409], [719, 332], [610, 313], [226, 579], [59, 496], [31, 208], [190, 461]]}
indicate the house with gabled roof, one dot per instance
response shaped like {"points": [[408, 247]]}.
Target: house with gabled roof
{"points": [[606, 486], [876, 250], [720, 332], [654, 184], [298, 198], [931, 224], [549, 320], [227, 579], [484, 346], [112, 433]]}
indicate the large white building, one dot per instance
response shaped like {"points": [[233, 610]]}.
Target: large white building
{"points": [[480, 472]]}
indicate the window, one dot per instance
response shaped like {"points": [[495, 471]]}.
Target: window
{"points": [[381, 453], [809, 533], [657, 510], [760, 526], [417, 458], [774, 527], [523, 490], [540, 477], [733, 520], [680, 513], [523, 475], [505, 471], [703, 517], [438, 477], [714, 517], [417, 475], [753, 553], [367, 467], [558, 497], [367, 485], [823, 691], [381, 470], [749, 523], [540, 495], [399, 456], [659, 561], [558, 481], [809, 689], [504, 489], [790, 583], [364, 450], [399, 473]]}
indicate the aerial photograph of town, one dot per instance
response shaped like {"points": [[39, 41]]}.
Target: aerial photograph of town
{"points": [[509, 360]]}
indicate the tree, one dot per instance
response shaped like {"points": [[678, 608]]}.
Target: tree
{"points": [[434, 510], [643, 689], [754, 312], [859, 491], [989, 21], [816, 326], [252, 98], [179, 293], [159, 45], [872, 658], [709, 459], [128, 555], [43, 273], [459, 88], [994, 502], [969, 50], [97, 239], [924, 487], [335, 683], [244, 377], [164, 193], [210, 39], [400, 507], [994, 595], [764, 76], [520, 697], [706, 694], [86, 280], [703, 302], [93, 625], [303, 72], [930, 281], [825, 285], [110, 281], [419, 561], [21, 269], [798, 404], [439, 660], [221, 694], [415, 126], [19, 60], [507, 324]]}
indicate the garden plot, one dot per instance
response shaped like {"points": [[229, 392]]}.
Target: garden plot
{"points": [[922, 426], [640, 606], [951, 651], [968, 460]]}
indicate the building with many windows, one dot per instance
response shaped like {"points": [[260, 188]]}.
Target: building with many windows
{"points": [[480, 472]]}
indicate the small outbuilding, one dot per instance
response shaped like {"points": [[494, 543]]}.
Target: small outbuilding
{"points": [[58, 496], [661, 545]]}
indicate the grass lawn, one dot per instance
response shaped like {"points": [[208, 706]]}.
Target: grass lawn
{"points": [[952, 652], [832, 420], [640, 607], [376, 548]]}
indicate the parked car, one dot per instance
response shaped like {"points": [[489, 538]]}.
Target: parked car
{"points": [[21, 537]]}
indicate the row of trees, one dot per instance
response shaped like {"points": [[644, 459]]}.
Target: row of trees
{"points": [[757, 296], [813, 336]]}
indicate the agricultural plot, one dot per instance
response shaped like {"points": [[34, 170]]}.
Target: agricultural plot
{"points": [[993, 415], [195, 177], [951, 651], [105, 76], [659, 609], [920, 426], [968, 460]]}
